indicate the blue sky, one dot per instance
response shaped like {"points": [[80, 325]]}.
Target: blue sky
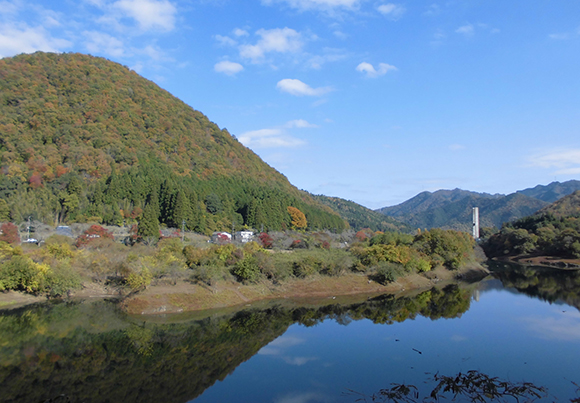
{"points": [[369, 100]]}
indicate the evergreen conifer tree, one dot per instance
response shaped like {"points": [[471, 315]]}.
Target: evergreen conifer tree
{"points": [[148, 228]]}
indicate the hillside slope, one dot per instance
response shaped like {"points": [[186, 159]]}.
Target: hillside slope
{"points": [[84, 138], [552, 231], [359, 217]]}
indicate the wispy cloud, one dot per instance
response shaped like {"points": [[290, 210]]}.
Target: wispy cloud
{"points": [[393, 11], [300, 124], [149, 14], [467, 30], [559, 36], [456, 147], [329, 6], [240, 32], [328, 55], [298, 88], [225, 40], [279, 40], [101, 43], [228, 68], [566, 326], [25, 39], [277, 137], [307, 397], [371, 72], [565, 161]]}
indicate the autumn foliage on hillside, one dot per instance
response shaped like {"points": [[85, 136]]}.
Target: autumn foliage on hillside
{"points": [[88, 140], [9, 233]]}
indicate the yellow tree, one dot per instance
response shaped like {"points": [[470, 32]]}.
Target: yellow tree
{"points": [[298, 218]]}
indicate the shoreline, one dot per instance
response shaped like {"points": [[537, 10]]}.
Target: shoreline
{"points": [[542, 261], [183, 297], [159, 300]]}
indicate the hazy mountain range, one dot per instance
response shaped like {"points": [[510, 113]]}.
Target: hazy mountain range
{"points": [[453, 208]]}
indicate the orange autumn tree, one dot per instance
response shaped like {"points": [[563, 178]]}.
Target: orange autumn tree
{"points": [[298, 218]]}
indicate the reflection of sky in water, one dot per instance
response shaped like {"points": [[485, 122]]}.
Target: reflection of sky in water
{"points": [[511, 336]]}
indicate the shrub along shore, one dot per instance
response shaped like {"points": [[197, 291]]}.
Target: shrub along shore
{"points": [[275, 265]]}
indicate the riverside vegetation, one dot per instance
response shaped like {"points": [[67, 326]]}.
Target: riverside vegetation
{"points": [[553, 231], [60, 266], [86, 140]]}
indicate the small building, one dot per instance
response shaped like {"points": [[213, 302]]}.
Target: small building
{"points": [[244, 236]]}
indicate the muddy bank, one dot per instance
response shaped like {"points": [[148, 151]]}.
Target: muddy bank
{"points": [[185, 297], [188, 297]]}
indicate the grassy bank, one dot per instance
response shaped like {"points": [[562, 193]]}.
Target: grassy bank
{"points": [[204, 275]]}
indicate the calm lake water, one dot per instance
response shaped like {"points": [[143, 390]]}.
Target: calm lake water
{"points": [[521, 325]]}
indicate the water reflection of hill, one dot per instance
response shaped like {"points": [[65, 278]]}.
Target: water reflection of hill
{"points": [[92, 352], [550, 285]]}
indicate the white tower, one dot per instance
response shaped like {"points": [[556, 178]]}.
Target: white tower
{"points": [[476, 223]]}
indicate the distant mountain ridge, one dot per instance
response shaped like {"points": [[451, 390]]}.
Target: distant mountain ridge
{"points": [[425, 201], [452, 209], [552, 192], [359, 217]]}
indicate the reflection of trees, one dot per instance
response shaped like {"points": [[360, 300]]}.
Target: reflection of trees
{"points": [[547, 284], [92, 352]]}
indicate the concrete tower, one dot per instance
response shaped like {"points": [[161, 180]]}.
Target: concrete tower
{"points": [[476, 223]]}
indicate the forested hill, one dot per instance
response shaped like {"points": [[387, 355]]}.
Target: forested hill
{"points": [[83, 138], [552, 231]]}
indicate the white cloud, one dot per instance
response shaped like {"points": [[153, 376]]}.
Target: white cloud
{"points": [[321, 5], [300, 124], [566, 161], [281, 40], [432, 10], [560, 37], [275, 138], [298, 88], [391, 10], [467, 30], [456, 147], [268, 138], [149, 14], [470, 29], [371, 72], [11, 8], [138, 67], [99, 42], [240, 32], [24, 39], [566, 326], [329, 55], [153, 52], [298, 361], [225, 40], [307, 397], [228, 68]]}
